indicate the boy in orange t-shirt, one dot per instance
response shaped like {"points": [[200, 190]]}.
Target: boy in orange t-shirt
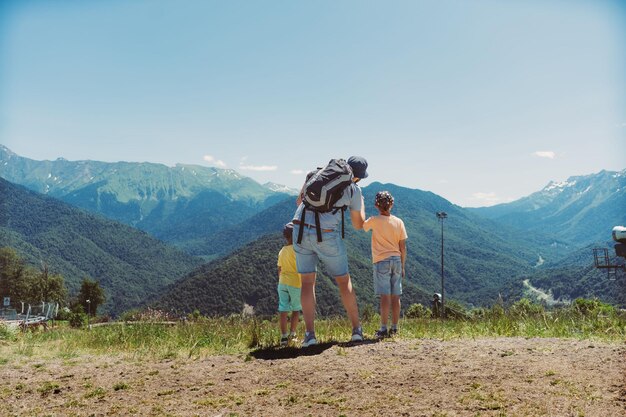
{"points": [[389, 255]]}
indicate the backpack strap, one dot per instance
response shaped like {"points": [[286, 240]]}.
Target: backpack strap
{"points": [[318, 229], [301, 225], [343, 229]]}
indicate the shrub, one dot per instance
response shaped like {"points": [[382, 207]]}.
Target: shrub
{"points": [[417, 311], [63, 314], [593, 307], [6, 333], [77, 319], [455, 310], [525, 308], [479, 313]]}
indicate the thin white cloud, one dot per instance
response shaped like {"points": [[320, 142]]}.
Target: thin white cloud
{"points": [[487, 198], [258, 167], [297, 171], [217, 162], [545, 154]]}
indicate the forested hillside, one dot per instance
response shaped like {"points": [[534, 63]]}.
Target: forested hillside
{"points": [[481, 260], [129, 264], [249, 276], [575, 276]]}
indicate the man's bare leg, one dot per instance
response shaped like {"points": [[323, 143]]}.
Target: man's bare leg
{"points": [[307, 297], [348, 297]]}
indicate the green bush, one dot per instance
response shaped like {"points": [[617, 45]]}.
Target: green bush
{"points": [[63, 314], [479, 313], [130, 315], [417, 311], [6, 333], [592, 307], [526, 308], [455, 310], [77, 319]]}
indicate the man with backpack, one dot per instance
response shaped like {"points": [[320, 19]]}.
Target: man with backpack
{"points": [[318, 225]]}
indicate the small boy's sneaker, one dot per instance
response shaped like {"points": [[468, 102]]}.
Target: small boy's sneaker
{"points": [[381, 334], [293, 337], [357, 334], [284, 341], [393, 331], [309, 340]]}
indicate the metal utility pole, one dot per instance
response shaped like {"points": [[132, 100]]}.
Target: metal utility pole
{"points": [[441, 215], [88, 313]]}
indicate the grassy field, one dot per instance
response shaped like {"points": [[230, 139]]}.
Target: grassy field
{"points": [[519, 361], [204, 337]]}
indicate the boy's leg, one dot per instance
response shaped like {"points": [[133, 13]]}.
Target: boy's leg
{"points": [[295, 316], [385, 301], [283, 322], [395, 310], [348, 297], [308, 301]]}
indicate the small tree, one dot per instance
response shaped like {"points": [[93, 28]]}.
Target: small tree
{"points": [[15, 276], [90, 296], [48, 287]]}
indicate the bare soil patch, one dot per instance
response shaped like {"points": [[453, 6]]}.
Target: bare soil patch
{"points": [[399, 377]]}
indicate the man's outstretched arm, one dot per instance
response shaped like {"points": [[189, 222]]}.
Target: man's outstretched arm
{"points": [[358, 216]]}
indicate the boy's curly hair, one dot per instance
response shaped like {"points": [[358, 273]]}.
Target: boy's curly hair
{"points": [[384, 200], [288, 231]]}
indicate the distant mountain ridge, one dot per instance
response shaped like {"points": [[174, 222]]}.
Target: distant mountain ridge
{"points": [[581, 210], [165, 201], [129, 264]]}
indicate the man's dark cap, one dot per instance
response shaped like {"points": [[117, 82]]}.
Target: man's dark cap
{"points": [[358, 165]]}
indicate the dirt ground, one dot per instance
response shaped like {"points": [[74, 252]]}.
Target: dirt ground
{"points": [[417, 377]]}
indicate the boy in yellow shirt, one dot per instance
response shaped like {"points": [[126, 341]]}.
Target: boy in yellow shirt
{"points": [[389, 255], [289, 286]]}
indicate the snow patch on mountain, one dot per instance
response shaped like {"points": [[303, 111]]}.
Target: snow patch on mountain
{"points": [[559, 186], [279, 188]]}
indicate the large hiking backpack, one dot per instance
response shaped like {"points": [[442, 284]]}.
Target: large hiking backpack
{"points": [[322, 190]]}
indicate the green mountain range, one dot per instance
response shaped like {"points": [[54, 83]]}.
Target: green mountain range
{"points": [[235, 223], [177, 204], [129, 264]]}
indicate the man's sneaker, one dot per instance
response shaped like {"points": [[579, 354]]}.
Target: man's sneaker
{"points": [[309, 340], [284, 341], [381, 334], [357, 334]]}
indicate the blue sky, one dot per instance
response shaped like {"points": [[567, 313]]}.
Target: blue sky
{"points": [[480, 101]]}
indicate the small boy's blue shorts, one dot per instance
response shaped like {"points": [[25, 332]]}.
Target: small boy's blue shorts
{"points": [[288, 298], [331, 251], [388, 276]]}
